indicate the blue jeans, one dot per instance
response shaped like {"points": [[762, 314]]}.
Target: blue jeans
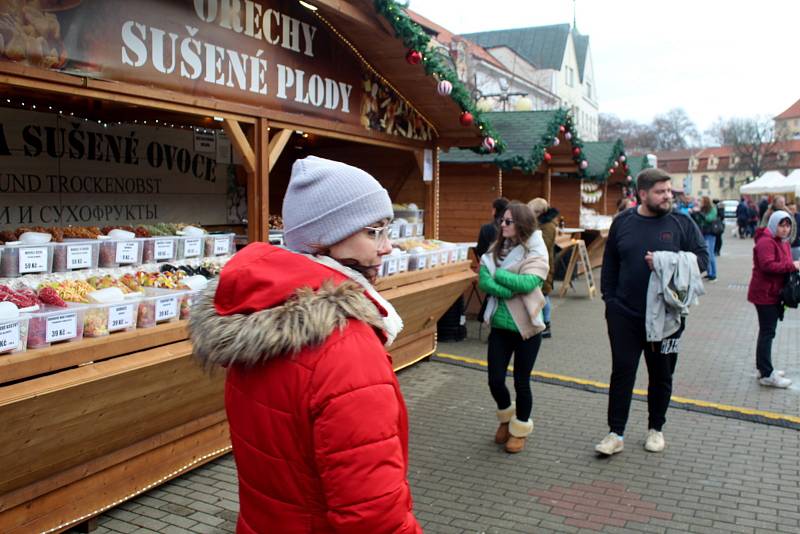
{"points": [[546, 309], [711, 241]]}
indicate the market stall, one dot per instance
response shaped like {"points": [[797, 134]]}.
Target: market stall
{"points": [[141, 144], [543, 158]]}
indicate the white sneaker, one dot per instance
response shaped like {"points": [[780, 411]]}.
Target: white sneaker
{"points": [[611, 444], [775, 380], [654, 441], [778, 372]]}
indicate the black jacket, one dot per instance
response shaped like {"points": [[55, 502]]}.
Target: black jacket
{"points": [[486, 237]]}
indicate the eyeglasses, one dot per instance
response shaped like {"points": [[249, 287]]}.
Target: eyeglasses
{"points": [[379, 234], [507, 222]]}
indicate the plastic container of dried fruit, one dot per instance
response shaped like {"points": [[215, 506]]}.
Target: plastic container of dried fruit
{"points": [[417, 261], [159, 249], [17, 259], [188, 301], [13, 335], [220, 245], [53, 324], [105, 319], [75, 255], [120, 252], [160, 306], [191, 247]]}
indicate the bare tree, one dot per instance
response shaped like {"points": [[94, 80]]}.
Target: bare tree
{"points": [[675, 130], [753, 140], [635, 135]]}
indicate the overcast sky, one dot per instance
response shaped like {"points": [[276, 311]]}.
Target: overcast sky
{"points": [[711, 57]]}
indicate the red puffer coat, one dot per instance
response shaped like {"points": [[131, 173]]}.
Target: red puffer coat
{"points": [[772, 259], [318, 423]]}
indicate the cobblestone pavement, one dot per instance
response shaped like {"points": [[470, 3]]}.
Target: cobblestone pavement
{"points": [[718, 474], [717, 359]]}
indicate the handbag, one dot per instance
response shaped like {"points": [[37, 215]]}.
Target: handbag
{"points": [[790, 294], [717, 227]]}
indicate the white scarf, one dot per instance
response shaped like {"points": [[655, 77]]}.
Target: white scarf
{"points": [[392, 323]]}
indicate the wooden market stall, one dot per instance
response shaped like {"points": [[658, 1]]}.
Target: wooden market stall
{"points": [[539, 161], [225, 100]]}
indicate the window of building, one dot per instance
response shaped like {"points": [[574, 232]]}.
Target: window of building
{"points": [[722, 182], [732, 183], [704, 182], [570, 76], [692, 163], [713, 162]]}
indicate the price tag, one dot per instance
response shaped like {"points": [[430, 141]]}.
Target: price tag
{"points": [[165, 249], [221, 245], [61, 327], [407, 230], [192, 248], [391, 266], [120, 317], [9, 336], [33, 260], [79, 256], [421, 261], [166, 308], [394, 232], [433, 259], [127, 251]]}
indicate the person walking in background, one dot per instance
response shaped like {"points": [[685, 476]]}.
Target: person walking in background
{"points": [[488, 232], [742, 217], [627, 263], [512, 272], [705, 217], [772, 261], [721, 232], [778, 204], [752, 222], [546, 217], [317, 421], [763, 206], [796, 242]]}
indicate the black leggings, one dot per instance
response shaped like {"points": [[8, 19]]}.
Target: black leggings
{"points": [[768, 315], [628, 338], [502, 343]]}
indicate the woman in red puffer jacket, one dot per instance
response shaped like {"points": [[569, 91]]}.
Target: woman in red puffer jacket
{"points": [[318, 424], [772, 261]]}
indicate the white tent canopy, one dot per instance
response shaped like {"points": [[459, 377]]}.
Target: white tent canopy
{"points": [[773, 182]]}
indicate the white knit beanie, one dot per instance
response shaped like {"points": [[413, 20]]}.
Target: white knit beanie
{"points": [[328, 201]]}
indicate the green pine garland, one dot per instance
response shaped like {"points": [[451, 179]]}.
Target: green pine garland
{"points": [[530, 164], [436, 63]]}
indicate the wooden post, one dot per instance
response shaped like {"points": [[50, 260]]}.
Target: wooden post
{"points": [[277, 144], [263, 167], [605, 197], [547, 184], [436, 188]]}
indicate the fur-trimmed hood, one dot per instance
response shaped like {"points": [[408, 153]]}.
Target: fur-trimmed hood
{"points": [[548, 215], [270, 302]]}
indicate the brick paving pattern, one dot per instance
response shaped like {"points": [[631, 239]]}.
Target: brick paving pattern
{"points": [[718, 474]]}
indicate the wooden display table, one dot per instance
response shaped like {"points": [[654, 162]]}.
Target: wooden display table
{"points": [[90, 424]]}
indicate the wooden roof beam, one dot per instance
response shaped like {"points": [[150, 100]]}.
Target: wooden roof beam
{"points": [[346, 10]]}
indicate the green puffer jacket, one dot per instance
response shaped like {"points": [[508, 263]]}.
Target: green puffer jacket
{"points": [[505, 285]]}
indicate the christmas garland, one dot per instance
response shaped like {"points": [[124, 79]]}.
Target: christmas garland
{"points": [[437, 64], [617, 158], [559, 127]]}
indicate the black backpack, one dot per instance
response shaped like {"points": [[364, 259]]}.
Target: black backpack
{"points": [[790, 294]]}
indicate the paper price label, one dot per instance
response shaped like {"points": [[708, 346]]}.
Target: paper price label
{"points": [[421, 262], [166, 308], [120, 317], [394, 232], [9, 336], [61, 327], [391, 267], [407, 230], [79, 256], [433, 259], [192, 248], [165, 250], [221, 245], [33, 260], [127, 252]]}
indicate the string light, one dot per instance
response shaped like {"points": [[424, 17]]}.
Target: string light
{"points": [[375, 72], [181, 470]]}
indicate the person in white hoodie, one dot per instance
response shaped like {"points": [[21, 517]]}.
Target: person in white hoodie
{"points": [[512, 273]]}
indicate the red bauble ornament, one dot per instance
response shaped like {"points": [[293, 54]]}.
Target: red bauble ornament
{"points": [[466, 119], [414, 57], [548, 156], [576, 151], [562, 129]]}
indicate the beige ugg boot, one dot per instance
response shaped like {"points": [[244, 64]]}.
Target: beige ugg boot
{"points": [[504, 416], [518, 431]]}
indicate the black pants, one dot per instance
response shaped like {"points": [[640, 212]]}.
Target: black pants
{"points": [[768, 315], [502, 343], [718, 243], [628, 339]]}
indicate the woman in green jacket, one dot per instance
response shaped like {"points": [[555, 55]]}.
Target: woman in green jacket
{"points": [[512, 273], [705, 217]]}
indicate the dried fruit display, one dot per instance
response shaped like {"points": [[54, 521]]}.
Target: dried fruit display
{"points": [[71, 290], [21, 298], [49, 296]]}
